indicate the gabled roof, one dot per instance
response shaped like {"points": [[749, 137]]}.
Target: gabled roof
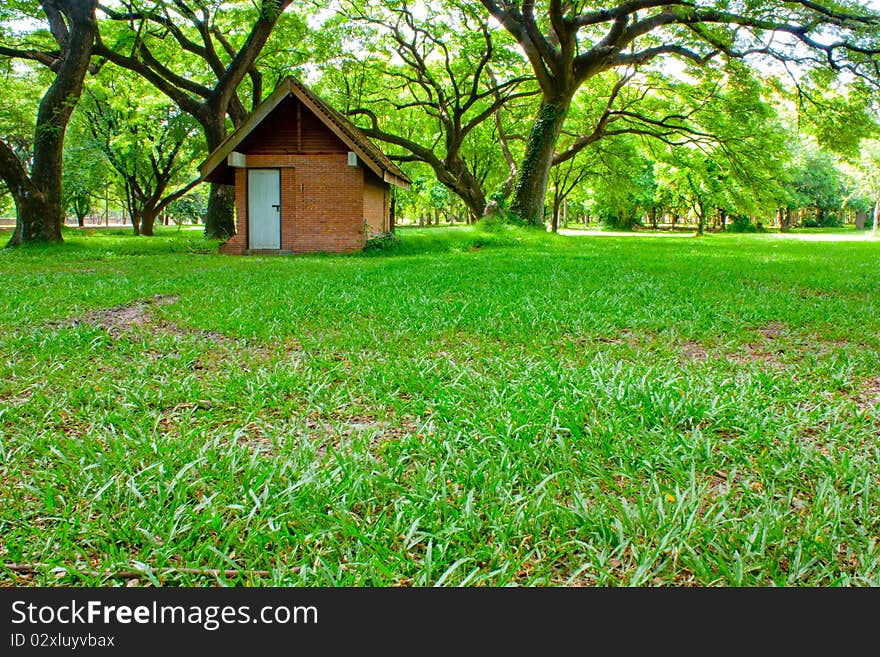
{"points": [[370, 154]]}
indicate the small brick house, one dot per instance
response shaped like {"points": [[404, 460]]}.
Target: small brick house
{"points": [[306, 179]]}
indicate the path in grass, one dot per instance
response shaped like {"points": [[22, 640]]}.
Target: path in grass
{"points": [[471, 409]]}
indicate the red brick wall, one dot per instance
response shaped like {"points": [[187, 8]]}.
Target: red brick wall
{"points": [[322, 203], [376, 203], [329, 200]]}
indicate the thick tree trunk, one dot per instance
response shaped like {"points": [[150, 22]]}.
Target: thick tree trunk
{"points": [[38, 218], [785, 221], [148, 221], [39, 213], [530, 190], [220, 215]]}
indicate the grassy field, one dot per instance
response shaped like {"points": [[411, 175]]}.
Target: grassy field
{"points": [[471, 409]]}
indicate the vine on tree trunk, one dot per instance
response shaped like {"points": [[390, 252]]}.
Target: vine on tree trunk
{"points": [[527, 206]]}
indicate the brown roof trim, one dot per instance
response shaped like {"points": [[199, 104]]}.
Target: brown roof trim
{"points": [[348, 133]]}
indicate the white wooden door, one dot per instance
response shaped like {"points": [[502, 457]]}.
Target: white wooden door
{"points": [[264, 208]]}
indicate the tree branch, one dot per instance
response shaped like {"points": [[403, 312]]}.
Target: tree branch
{"points": [[12, 171], [49, 59]]}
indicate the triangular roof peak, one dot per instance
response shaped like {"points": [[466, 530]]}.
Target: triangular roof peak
{"points": [[370, 154]]}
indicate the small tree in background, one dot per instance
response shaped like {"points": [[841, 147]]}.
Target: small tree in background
{"points": [[150, 145]]}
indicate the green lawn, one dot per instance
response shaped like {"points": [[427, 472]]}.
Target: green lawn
{"points": [[472, 408]]}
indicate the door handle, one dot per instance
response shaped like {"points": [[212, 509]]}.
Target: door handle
{"points": [[276, 206]]}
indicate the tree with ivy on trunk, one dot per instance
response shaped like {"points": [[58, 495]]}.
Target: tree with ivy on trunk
{"points": [[569, 42], [66, 51], [185, 51]]}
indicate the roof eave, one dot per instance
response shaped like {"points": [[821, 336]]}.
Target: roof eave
{"points": [[397, 181]]}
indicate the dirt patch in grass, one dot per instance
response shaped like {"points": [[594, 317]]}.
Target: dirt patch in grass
{"points": [[121, 319], [329, 432], [339, 427], [720, 485], [773, 330], [758, 353], [848, 558], [747, 354], [813, 437], [16, 398], [175, 329], [777, 346], [380, 430], [693, 350], [826, 345], [812, 293], [625, 336], [867, 395], [256, 439], [831, 445]]}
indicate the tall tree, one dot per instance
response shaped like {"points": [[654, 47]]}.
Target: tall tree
{"points": [[568, 42], [36, 188], [440, 82], [187, 49]]}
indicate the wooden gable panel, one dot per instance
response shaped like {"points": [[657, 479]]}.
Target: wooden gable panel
{"points": [[317, 137], [281, 132]]}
